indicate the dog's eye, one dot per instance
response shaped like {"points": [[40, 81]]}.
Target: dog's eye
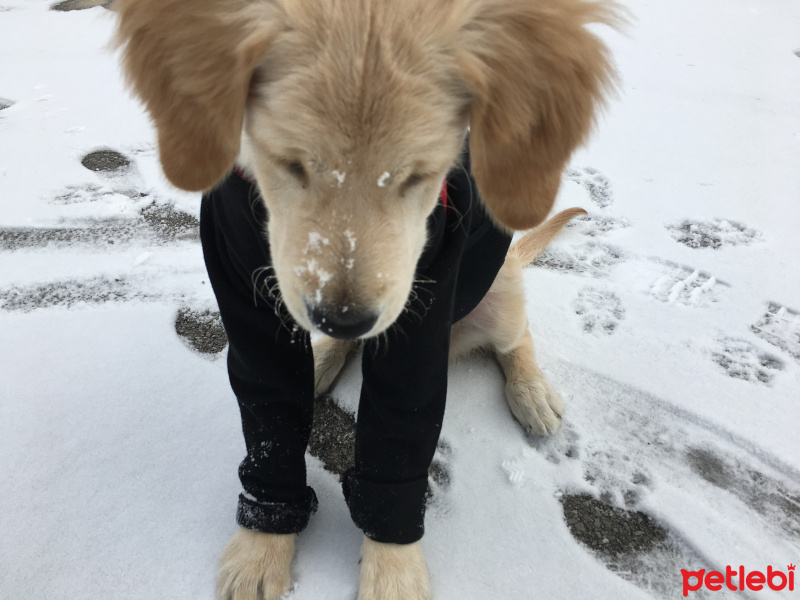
{"points": [[296, 170], [411, 181]]}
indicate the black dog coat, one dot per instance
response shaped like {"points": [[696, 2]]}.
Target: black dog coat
{"points": [[402, 402]]}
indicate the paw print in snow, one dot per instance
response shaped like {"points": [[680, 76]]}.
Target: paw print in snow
{"points": [[82, 194], [600, 310], [592, 259], [595, 224], [712, 234], [742, 360], [596, 184], [780, 326]]}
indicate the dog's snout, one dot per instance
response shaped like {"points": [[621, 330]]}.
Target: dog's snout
{"points": [[342, 323]]}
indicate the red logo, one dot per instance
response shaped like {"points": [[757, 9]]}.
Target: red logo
{"points": [[739, 580]]}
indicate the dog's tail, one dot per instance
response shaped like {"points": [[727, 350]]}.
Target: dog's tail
{"points": [[533, 243]]}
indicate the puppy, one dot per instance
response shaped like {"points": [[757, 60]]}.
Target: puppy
{"points": [[344, 120]]}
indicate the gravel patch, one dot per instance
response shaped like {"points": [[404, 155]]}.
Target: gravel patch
{"points": [[160, 223], [105, 160], [333, 439], [333, 436], [169, 223], [608, 530], [202, 330], [96, 290]]}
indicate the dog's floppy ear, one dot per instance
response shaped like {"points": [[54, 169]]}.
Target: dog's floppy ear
{"points": [[191, 62], [536, 75]]}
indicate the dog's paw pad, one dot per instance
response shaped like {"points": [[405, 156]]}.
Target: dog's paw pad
{"points": [[600, 311], [712, 234], [780, 326], [203, 330], [740, 359]]}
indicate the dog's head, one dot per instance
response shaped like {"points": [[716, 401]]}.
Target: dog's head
{"points": [[350, 113]]}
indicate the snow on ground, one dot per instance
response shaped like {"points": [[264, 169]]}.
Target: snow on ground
{"points": [[669, 319]]}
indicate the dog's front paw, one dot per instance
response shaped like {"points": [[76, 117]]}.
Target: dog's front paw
{"points": [[255, 566], [536, 404], [393, 572]]}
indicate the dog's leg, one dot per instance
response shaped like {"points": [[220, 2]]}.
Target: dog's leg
{"points": [[255, 566], [499, 323], [393, 572], [330, 355], [532, 399]]}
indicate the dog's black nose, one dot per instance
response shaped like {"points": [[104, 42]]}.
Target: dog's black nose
{"points": [[343, 323]]}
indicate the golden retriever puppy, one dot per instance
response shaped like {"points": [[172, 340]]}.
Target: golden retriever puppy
{"points": [[348, 116]]}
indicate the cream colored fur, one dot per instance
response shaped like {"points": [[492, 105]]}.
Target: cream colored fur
{"points": [[393, 572], [349, 114], [255, 566]]}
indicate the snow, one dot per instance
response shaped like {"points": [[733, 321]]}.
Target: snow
{"points": [[668, 319], [340, 177]]}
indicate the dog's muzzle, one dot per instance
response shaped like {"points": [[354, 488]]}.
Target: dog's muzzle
{"points": [[342, 323]]}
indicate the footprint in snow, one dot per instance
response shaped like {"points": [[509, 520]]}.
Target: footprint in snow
{"points": [[155, 223], [592, 258], [688, 286], [768, 497], [3, 105], [780, 326], [600, 310], [712, 234], [439, 473], [202, 330], [93, 290], [630, 446], [595, 183], [106, 161], [609, 530], [556, 448], [68, 5], [595, 224], [740, 359]]}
